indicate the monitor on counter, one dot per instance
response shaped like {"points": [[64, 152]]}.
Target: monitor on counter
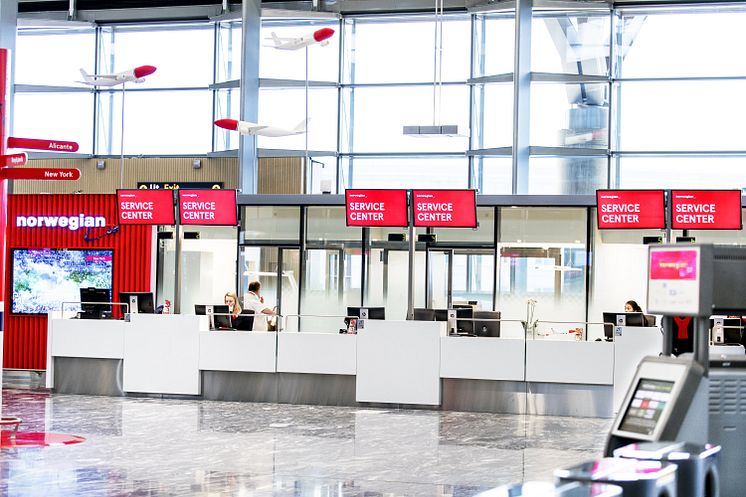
{"points": [[138, 302], [489, 328], [95, 303], [464, 324], [422, 314], [623, 319], [221, 317], [244, 321], [373, 312]]}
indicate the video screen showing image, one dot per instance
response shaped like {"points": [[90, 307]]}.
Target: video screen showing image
{"points": [[44, 278]]}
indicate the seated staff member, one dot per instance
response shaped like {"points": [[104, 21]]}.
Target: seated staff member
{"points": [[632, 306], [231, 300], [254, 301]]}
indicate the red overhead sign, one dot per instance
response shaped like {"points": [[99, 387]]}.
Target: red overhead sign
{"points": [[40, 173], [376, 208], [631, 209], [208, 207], [146, 206], [48, 145], [706, 209], [445, 208], [13, 159]]}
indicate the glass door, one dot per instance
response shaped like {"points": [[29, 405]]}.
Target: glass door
{"points": [[277, 270]]}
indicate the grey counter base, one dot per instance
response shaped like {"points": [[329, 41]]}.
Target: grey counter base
{"points": [[104, 377]]}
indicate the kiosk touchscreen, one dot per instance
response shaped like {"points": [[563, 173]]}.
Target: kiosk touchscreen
{"points": [[667, 400]]}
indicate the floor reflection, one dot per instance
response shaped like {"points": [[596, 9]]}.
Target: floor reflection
{"points": [[165, 447]]}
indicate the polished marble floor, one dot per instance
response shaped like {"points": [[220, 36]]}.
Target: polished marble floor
{"points": [[167, 447]]}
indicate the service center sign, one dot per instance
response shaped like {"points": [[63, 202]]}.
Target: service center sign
{"points": [[635, 209], [445, 208], [208, 207], [145, 207], [706, 209], [376, 208]]}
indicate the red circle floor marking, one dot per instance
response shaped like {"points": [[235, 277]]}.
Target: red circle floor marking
{"points": [[36, 439]]}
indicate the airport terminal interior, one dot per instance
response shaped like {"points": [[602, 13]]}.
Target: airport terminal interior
{"points": [[496, 351]]}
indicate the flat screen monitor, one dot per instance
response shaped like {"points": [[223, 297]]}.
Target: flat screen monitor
{"points": [[95, 303], [441, 314], [650, 320], [630, 318], [648, 403], [42, 279], [732, 329], [138, 302], [221, 317], [464, 324], [244, 321], [373, 312], [422, 314], [489, 328]]}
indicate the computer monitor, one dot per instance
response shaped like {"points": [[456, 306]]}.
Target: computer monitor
{"points": [[138, 302], [487, 328], [441, 314], [422, 314], [373, 312], [732, 330], [649, 320], [244, 321], [464, 324], [90, 306], [630, 319], [221, 317]]}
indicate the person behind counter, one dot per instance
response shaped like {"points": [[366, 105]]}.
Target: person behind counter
{"points": [[231, 300], [254, 301], [632, 306]]}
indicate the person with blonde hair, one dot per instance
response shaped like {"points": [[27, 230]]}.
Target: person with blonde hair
{"points": [[231, 300]]}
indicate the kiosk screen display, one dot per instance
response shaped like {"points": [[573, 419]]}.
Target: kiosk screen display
{"points": [[648, 402]]}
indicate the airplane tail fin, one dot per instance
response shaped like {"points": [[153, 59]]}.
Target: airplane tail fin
{"points": [[276, 39], [86, 76], [301, 126]]}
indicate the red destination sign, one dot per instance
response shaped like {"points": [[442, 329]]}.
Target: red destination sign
{"points": [[445, 208], [631, 209], [376, 208], [40, 173], [706, 210], [13, 160], [208, 207], [146, 207], [48, 145]]}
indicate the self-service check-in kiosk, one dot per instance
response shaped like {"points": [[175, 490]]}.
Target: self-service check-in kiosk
{"points": [[636, 478]]}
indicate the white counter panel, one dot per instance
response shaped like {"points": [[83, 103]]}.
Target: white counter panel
{"points": [[399, 362], [98, 338], [559, 361], [248, 351], [317, 353], [161, 354], [629, 348], [482, 358]]}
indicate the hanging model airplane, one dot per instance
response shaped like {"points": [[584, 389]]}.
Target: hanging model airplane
{"points": [[247, 128], [136, 75], [320, 36]]}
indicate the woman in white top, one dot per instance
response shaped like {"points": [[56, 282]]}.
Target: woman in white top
{"points": [[255, 302]]}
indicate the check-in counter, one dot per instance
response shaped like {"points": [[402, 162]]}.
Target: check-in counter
{"points": [[317, 353], [241, 351], [564, 361], [500, 359]]}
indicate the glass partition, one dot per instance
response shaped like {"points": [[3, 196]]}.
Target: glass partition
{"points": [[270, 224]]}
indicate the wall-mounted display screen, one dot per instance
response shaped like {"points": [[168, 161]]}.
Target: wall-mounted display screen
{"points": [[208, 207], [376, 208], [44, 278], [706, 210], [445, 208], [646, 407], [631, 209], [146, 207]]}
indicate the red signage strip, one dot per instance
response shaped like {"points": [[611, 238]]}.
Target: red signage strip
{"points": [[13, 160], [146, 207], [40, 173], [445, 208], [48, 145], [706, 210], [376, 208], [631, 209], [208, 207]]}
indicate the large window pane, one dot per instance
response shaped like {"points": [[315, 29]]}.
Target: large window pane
{"points": [[564, 115], [484, 233], [493, 116], [381, 113], [493, 175], [227, 105], [542, 257], [566, 175], [401, 172], [685, 43], [187, 127], [270, 224], [377, 52], [291, 64], [286, 108], [494, 43], [571, 43], [682, 115], [682, 172], [183, 54], [54, 56], [61, 116], [229, 51]]}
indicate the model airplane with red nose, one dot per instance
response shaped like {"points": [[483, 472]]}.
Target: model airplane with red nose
{"points": [[136, 75], [247, 128], [320, 36]]}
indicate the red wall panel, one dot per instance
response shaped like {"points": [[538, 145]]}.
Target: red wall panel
{"points": [[25, 340]]}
